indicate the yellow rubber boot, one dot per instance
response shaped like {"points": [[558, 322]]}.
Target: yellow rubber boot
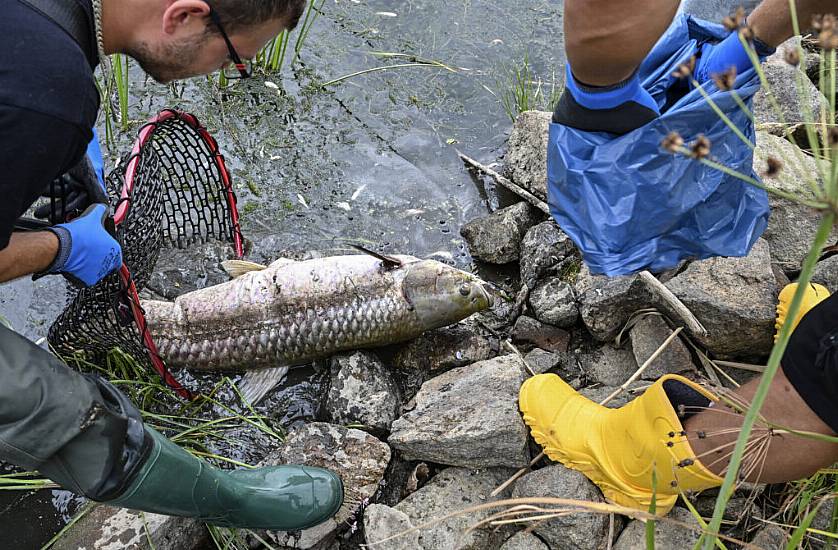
{"points": [[617, 448], [814, 295]]}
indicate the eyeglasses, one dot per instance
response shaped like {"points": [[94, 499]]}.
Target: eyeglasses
{"points": [[240, 69]]}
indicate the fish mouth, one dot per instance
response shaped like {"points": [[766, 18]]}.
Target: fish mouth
{"points": [[487, 293]]}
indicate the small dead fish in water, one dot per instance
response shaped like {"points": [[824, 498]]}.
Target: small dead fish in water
{"points": [[289, 313]]}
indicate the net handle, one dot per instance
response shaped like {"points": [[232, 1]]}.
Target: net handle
{"points": [[143, 138]]}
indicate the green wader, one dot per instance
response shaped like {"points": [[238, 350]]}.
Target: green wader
{"points": [[82, 433]]}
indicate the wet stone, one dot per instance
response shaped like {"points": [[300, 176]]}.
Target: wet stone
{"points": [[792, 226], [451, 490], [382, 522], [554, 303], [608, 365], [578, 531], [647, 336], [357, 457], [524, 541], [496, 238], [770, 537], [362, 391], [526, 157], [606, 303], [667, 535], [467, 417], [531, 331], [734, 298], [543, 249]]}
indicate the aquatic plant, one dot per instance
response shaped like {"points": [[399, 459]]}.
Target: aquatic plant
{"points": [[521, 90]]}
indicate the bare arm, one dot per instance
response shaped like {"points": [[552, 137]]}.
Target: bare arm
{"points": [[27, 253]]}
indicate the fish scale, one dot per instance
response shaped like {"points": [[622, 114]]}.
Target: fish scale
{"points": [[291, 313]]}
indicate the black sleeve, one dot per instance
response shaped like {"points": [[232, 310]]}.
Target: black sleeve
{"points": [[34, 150]]}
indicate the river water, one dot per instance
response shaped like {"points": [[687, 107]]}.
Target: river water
{"points": [[371, 160]]}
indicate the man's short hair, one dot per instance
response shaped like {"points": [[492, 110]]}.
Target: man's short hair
{"points": [[238, 14]]}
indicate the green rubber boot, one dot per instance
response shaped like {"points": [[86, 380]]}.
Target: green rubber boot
{"points": [[279, 498]]}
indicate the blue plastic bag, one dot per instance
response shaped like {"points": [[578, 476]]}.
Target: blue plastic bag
{"points": [[629, 205]]}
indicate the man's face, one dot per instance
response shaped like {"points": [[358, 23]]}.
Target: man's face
{"points": [[200, 49]]}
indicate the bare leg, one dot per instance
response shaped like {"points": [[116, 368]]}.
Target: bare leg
{"points": [[606, 40], [789, 456], [771, 20]]}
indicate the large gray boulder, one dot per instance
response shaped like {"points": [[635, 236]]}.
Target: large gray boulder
{"points": [[792, 226], [667, 534], [577, 531], [523, 540], [382, 522], [105, 527], [357, 457], [734, 298], [452, 490], [526, 157], [606, 303], [798, 99], [496, 238], [362, 391], [554, 303], [544, 248], [647, 336], [467, 417]]}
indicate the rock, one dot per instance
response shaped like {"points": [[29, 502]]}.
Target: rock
{"points": [[826, 273], [598, 394], [609, 365], [524, 541], [362, 391], [580, 531], [531, 331], [667, 535], [784, 81], [357, 457], [770, 537], [526, 157], [792, 226], [544, 247], [541, 361], [105, 527], [734, 298], [647, 336], [715, 10], [467, 417], [382, 522], [451, 490], [606, 303], [496, 238], [553, 303]]}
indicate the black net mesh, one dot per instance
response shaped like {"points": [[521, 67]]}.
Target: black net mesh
{"points": [[172, 190]]}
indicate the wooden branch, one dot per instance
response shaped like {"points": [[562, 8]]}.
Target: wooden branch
{"points": [[520, 191], [658, 288]]}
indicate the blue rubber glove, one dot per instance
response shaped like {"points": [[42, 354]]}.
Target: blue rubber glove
{"points": [[719, 57], [86, 250]]}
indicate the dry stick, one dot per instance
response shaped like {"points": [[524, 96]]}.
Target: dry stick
{"points": [[672, 301], [604, 402], [520, 191]]}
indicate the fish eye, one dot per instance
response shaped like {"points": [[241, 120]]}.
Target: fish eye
{"points": [[465, 290]]}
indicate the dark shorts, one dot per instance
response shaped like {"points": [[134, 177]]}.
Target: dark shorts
{"points": [[811, 360]]}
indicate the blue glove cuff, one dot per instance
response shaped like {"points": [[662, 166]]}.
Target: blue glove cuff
{"points": [[65, 245], [610, 97]]}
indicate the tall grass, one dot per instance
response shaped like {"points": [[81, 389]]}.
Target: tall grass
{"points": [[520, 89]]}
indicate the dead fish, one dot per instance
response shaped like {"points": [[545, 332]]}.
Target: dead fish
{"points": [[289, 313]]}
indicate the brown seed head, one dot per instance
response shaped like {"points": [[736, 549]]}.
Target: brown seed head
{"points": [[773, 167], [828, 40], [685, 70], [672, 143], [832, 136], [700, 148], [735, 20], [792, 57], [747, 33], [726, 80]]}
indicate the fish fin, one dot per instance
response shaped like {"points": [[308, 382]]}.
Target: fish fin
{"points": [[390, 262], [237, 268], [255, 384]]}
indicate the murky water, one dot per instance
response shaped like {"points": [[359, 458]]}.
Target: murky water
{"points": [[371, 160]]}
